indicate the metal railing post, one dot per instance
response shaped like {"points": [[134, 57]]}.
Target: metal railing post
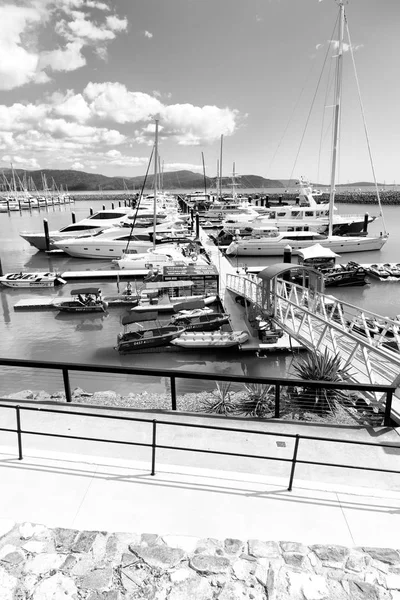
{"points": [[67, 387], [388, 408], [153, 448], [296, 447], [19, 432], [277, 401], [173, 393]]}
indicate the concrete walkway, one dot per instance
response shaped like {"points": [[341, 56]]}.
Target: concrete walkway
{"points": [[97, 486]]}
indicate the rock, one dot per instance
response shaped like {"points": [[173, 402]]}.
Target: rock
{"points": [[84, 541], [294, 547], [363, 591], [233, 546], [294, 559], [22, 395], [331, 555], [99, 579], [210, 546], [237, 590], [151, 539], [44, 563], [14, 558], [204, 563], [263, 549], [7, 549], [119, 543], [82, 565], [161, 557], [37, 547], [8, 585], [314, 587], [64, 539], [42, 396], [181, 575], [56, 587], [105, 398], [99, 547], [243, 569], [196, 588], [355, 562], [386, 555], [80, 392]]}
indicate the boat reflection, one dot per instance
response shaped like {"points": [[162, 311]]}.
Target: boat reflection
{"points": [[90, 322]]}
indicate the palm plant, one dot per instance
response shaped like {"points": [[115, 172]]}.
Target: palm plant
{"points": [[222, 405], [321, 367], [258, 401]]}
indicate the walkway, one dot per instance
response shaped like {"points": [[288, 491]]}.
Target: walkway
{"points": [[88, 485]]}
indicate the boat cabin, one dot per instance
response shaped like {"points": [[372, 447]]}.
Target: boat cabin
{"points": [[317, 257], [87, 296]]}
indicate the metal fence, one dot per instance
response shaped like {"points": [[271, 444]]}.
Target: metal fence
{"points": [[157, 423]]}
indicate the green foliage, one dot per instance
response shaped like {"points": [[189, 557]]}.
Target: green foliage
{"points": [[320, 367], [258, 402], [222, 405]]}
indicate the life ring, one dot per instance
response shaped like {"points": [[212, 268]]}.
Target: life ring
{"points": [[193, 256]]}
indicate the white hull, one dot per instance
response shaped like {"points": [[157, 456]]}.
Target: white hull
{"points": [[31, 280], [112, 250], [271, 247]]}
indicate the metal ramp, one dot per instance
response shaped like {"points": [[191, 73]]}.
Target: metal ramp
{"points": [[366, 341]]}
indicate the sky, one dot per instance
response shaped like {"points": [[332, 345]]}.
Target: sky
{"points": [[82, 83]]}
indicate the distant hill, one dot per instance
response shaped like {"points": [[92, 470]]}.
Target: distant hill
{"points": [[82, 181]]}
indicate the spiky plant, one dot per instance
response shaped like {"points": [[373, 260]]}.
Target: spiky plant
{"points": [[257, 403], [222, 405], [321, 367]]}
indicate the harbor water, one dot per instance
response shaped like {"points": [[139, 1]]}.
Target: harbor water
{"points": [[90, 339]]}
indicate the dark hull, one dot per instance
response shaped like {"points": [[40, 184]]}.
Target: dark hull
{"points": [[136, 341], [210, 325]]}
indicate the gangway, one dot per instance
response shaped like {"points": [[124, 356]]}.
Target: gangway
{"points": [[368, 343]]}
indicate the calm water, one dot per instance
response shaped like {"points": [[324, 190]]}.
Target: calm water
{"points": [[45, 335]]}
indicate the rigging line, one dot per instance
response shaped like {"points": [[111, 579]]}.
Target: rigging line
{"points": [[312, 104], [138, 204], [365, 126], [322, 137]]}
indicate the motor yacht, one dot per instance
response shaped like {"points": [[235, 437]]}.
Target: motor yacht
{"points": [[94, 224]]}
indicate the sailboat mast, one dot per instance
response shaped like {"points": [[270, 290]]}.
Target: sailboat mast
{"points": [[220, 167], [155, 184], [338, 94], [204, 174]]}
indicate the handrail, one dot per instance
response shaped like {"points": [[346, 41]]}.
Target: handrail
{"points": [[153, 444]]}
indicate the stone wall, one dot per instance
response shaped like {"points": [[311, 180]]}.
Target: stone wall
{"points": [[38, 563]]}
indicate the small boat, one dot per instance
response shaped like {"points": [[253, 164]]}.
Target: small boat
{"points": [[135, 337], [84, 300], [195, 316], [393, 269], [324, 260], [211, 339], [32, 280], [378, 271]]}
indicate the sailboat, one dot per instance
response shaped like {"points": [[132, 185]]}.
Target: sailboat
{"points": [[272, 241]]}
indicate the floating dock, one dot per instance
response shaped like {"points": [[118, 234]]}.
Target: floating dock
{"points": [[54, 303]]}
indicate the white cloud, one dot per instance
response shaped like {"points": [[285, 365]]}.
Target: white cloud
{"points": [[346, 47], [73, 106], [192, 125], [117, 24], [182, 167], [113, 153], [98, 5], [147, 34], [114, 101], [28, 163], [68, 58], [78, 166]]}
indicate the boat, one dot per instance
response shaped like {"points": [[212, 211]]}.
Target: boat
{"points": [[135, 337], [194, 316], [378, 271], [210, 340], [32, 280], [84, 300], [163, 255], [157, 293], [324, 260], [273, 242], [85, 227]]}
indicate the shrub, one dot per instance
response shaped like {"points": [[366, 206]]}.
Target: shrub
{"points": [[222, 405]]}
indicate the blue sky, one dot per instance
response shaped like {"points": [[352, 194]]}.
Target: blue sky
{"points": [[83, 81]]}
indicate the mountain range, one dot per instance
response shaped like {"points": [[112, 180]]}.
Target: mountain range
{"points": [[76, 181]]}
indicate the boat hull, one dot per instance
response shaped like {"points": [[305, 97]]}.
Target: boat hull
{"points": [[338, 244], [136, 341], [31, 280]]}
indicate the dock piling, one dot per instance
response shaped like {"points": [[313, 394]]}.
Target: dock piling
{"points": [[1, 269], [46, 233], [73, 217]]}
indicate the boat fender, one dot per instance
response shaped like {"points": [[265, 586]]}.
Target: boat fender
{"points": [[193, 256]]}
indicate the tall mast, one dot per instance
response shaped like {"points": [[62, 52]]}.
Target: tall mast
{"points": [[155, 184], [204, 174], [220, 167], [338, 94]]}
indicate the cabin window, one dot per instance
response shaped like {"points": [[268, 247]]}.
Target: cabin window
{"points": [[295, 213], [309, 213], [281, 214]]}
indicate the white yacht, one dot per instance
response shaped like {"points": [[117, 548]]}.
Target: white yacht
{"points": [[271, 242], [165, 255], [111, 243], [94, 224]]}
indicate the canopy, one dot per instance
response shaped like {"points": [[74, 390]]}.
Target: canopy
{"points": [[316, 251], [189, 305], [137, 317], [91, 290], [164, 285]]}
